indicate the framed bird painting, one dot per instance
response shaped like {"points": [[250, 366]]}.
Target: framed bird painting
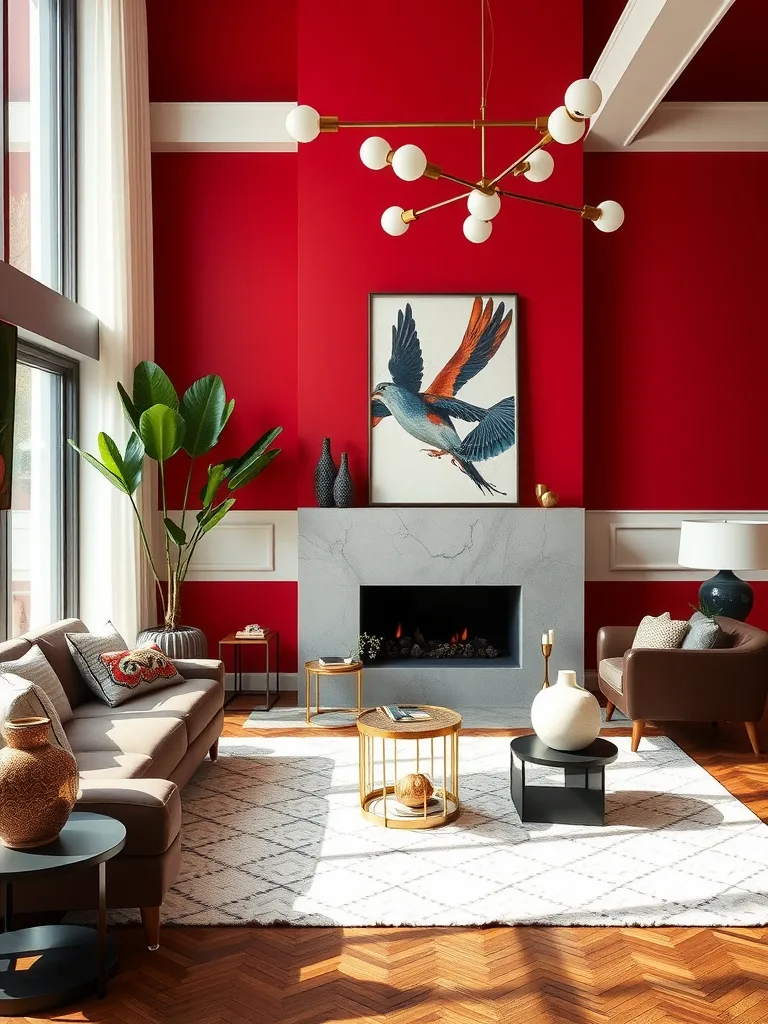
{"points": [[443, 385]]}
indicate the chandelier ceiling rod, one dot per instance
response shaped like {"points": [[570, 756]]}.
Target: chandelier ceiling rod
{"points": [[565, 125]]}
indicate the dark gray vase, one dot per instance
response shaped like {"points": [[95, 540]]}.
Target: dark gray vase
{"points": [[727, 594], [343, 488], [182, 642], [325, 474]]}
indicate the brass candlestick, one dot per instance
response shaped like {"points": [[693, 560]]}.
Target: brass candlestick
{"points": [[546, 650]]}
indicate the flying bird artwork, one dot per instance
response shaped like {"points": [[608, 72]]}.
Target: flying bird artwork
{"points": [[431, 415]]}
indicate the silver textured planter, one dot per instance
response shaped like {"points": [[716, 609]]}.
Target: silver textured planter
{"points": [[182, 642]]}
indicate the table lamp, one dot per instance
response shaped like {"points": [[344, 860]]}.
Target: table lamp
{"points": [[713, 543]]}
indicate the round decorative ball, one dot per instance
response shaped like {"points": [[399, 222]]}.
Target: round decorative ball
{"points": [[414, 789], [566, 716], [392, 221], [549, 499], [476, 230]]}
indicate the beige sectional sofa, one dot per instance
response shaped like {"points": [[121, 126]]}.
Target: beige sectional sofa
{"points": [[133, 761]]}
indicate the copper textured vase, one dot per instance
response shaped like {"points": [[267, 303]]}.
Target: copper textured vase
{"points": [[38, 785]]}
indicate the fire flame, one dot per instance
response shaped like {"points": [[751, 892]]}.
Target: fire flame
{"points": [[399, 631], [460, 637]]}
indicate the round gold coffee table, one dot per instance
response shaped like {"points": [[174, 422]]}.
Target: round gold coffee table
{"points": [[314, 668], [389, 750]]}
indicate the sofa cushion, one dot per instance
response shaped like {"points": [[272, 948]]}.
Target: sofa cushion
{"points": [[34, 666], [52, 642], [610, 669], [193, 701], [660, 632], [107, 764], [19, 698], [10, 650], [123, 675], [86, 648], [150, 809], [704, 634], [161, 738]]}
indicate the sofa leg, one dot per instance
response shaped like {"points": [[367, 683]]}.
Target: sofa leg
{"points": [[610, 707], [638, 728], [213, 752], [753, 737], [150, 918]]}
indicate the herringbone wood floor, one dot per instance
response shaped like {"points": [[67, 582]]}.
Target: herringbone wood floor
{"points": [[459, 976]]}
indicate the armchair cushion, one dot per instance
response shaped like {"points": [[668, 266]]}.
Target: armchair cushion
{"points": [[611, 669], [660, 632], [704, 634]]}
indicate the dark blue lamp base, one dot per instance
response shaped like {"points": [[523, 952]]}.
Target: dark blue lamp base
{"points": [[726, 594]]}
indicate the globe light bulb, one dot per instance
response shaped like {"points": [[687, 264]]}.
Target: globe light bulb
{"points": [[303, 123], [563, 128], [612, 216], [482, 206], [542, 164], [477, 230], [374, 153], [583, 97], [392, 221], [409, 162]]}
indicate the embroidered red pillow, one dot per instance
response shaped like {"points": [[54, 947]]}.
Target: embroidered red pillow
{"points": [[142, 665]]}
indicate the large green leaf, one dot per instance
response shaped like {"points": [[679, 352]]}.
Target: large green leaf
{"points": [[203, 407], [151, 386], [162, 431], [130, 409], [93, 461], [175, 532], [251, 469], [216, 476], [208, 518], [255, 450], [127, 467], [227, 412]]}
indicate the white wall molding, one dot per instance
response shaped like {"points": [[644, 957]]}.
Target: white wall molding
{"points": [[642, 546], [704, 128], [221, 128], [248, 545], [652, 43]]}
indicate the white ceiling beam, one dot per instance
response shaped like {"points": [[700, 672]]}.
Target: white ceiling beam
{"points": [[653, 41], [705, 128], [220, 128]]}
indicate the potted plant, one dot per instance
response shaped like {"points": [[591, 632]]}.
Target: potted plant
{"points": [[163, 427]]}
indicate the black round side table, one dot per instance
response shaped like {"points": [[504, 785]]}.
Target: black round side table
{"points": [[581, 801], [72, 960]]}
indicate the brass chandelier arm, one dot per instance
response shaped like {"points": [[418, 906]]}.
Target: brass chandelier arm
{"points": [[543, 141], [587, 212], [333, 124], [435, 206]]}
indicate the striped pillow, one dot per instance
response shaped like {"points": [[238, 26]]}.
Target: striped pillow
{"points": [[19, 698], [35, 667]]}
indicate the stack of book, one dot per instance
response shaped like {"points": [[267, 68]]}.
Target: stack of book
{"points": [[254, 632]]}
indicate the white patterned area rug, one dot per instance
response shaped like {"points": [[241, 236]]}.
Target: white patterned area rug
{"points": [[273, 834]]}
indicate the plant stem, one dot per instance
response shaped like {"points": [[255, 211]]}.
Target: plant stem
{"points": [[170, 611], [186, 492], [148, 553]]}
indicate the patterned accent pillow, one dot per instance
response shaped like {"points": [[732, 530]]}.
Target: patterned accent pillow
{"points": [[114, 672], [704, 635], [19, 698], [35, 667], [661, 632]]}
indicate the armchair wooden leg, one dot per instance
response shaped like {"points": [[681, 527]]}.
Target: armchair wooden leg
{"points": [[753, 737], [638, 728], [150, 918], [213, 752], [610, 707]]}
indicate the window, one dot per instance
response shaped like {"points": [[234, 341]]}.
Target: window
{"points": [[39, 237], [41, 526]]}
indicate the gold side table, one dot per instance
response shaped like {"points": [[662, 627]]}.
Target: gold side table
{"points": [[387, 750], [314, 668]]}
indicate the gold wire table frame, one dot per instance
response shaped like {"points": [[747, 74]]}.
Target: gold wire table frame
{"points": [[316, 670], [379, 757]]}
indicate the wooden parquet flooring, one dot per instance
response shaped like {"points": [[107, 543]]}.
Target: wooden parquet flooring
{"points": [[456, 975]]}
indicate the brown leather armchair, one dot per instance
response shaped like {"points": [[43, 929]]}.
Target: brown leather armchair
{"points": [[726, 684]]}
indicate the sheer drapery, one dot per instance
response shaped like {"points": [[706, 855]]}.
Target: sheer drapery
{"points": [[115, 282]]}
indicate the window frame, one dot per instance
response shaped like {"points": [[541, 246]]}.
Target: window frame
{"points": [[69, 371]]}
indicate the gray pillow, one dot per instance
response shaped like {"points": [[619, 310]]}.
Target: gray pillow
{"points": [[35, 667], [704, 634]]}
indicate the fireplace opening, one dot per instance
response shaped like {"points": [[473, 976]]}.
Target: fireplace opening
{"points": [[449, 626]]}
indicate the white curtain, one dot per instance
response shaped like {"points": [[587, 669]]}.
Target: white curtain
{"points": [[115, 282]]}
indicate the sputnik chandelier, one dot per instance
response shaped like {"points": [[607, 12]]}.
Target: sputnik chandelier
{"points": [[565, 125]]}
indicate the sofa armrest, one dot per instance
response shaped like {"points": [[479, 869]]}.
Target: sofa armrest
{"points": [[695, 686], [200, 668], [150, 809], [614, 641]]}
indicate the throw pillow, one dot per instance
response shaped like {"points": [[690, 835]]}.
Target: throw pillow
{"points": [[35, 667], [661, 632], [704, 634], [113, 672], [19, 698]]}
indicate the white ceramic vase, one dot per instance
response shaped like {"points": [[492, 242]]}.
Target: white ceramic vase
{"points": [[566, 716]]}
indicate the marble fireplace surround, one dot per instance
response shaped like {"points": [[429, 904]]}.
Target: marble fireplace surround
{"points": [[540, 550]]}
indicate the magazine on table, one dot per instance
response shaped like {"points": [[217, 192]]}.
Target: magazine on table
{"points": [[405, 713]]}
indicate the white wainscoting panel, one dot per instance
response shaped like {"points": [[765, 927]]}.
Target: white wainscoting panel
{"points": [[248, 545], [220, 128], [643, 545]]}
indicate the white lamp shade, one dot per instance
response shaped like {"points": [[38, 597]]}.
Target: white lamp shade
{"points": [[541, 163], [303, 123], [409, 162], [392, 221], [374, 153], [583, 97], [482, 206], [612, 216], [477, 230], [563, 128], [723, 544]]}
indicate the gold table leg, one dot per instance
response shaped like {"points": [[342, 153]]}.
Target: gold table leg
{"points": [[309, 694]]}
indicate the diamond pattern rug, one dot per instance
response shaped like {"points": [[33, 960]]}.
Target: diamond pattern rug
{"points": [[273, 833]]}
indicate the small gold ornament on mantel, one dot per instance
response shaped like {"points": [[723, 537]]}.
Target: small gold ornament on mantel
{"points": [[414, 790], [547, 643], [546, 497]]}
